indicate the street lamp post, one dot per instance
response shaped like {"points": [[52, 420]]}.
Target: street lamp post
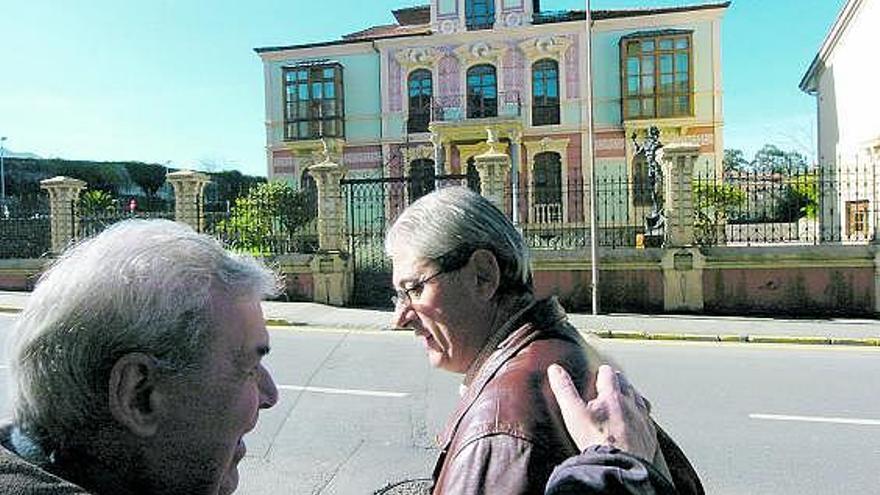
{"points": [[591, 165], [2, 171]]}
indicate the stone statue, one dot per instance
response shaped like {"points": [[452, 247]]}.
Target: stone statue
{"points": [[325, 151], [650, 147]]}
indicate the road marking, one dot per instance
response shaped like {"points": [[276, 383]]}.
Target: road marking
{"points": [[817, 419], [4, 367], [344, 391]]}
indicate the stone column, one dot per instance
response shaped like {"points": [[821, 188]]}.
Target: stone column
{"points": [[64, 214], [678, 203], [332, 268], [682, 261], [515, 144], [877, 280], [189, 201], [493, 167]]}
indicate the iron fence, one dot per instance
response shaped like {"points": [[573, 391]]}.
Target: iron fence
{"points": [[24, 227], [90, 219], [373, 204], [556, 217], [795, 206], [265, 224]]}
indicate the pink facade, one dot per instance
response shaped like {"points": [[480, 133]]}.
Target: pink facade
{"points": [[363, 157], [395, 84], [572, 69]]}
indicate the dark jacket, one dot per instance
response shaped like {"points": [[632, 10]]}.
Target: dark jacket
{"points": [[20, 477], [603, 470], [507, 433]]}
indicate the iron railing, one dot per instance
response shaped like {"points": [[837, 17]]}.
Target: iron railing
{"points": [[24, 226], [453, 108], [92, 220], [265, 226]]}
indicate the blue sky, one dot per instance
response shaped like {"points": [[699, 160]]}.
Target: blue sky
{"points": [[178, 81]]}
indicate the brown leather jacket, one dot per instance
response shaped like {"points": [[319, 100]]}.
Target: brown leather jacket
{"points": [[507, 434]]}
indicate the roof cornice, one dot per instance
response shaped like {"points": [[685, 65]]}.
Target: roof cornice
{"points": [[847, 13]]}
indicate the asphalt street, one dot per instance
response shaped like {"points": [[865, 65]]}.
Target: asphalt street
{"points": [[359, 410]]}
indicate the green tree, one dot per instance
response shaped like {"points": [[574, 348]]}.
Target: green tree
{"points": [[772, 159], [269, 220], [714, 202], [95, 201], [149, 176], [734, 160], [800, 198]]}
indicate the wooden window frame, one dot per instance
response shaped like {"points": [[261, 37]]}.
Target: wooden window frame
{"points": [[313, 118], [857, 214], [419, 118], [481, 110], [544, 113], [473, 22], [656, 96]]}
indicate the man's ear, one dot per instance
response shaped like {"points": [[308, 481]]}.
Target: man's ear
{"points": [[133, 396], [487, 272]]}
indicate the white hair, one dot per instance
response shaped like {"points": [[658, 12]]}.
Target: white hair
{"points": [[139, 286], [448, 225]]}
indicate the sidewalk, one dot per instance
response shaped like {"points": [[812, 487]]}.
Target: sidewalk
{"points": [[836, 331]]}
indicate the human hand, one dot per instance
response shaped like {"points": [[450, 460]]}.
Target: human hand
{"points": [[617, 417]]}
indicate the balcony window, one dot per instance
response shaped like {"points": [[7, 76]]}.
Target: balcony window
{"points": [[421, 178], [547, 182], [479, 14], [313, 106], [545, 92], [420, 90], [657, 76], [482, 92]]}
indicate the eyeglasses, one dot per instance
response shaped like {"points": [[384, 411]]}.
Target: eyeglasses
{"points": [[404, 297]]}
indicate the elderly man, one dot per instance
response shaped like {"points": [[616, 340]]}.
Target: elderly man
{"points": [[464, 285], [136, 367]]}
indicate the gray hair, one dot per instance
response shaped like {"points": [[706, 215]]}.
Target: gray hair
{"points": [[139, 286], [448, 225]]}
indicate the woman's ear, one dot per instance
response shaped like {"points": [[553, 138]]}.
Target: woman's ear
{"points": [[133, 396], [486, 272]]}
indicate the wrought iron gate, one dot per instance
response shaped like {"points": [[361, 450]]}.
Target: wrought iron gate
{"points": [[372, 206]]}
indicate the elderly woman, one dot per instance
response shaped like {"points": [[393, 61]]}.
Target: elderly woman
{"points": [[464, 286]]}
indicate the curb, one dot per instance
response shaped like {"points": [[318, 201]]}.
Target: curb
{"points": [[616, 334], [732, 338]]}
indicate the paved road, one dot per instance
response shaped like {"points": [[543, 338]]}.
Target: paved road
{"points": [[754, 418]]}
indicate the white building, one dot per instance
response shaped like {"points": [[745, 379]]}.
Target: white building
{"points": [[844, 78]]}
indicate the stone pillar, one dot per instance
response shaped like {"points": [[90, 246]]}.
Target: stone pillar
{"points": [[493, 167], [877, 280], [515, 144], [331, 205], [64, 214], [683, 279], [682, 262], [678, 203], [332, 269], [189, 201]]}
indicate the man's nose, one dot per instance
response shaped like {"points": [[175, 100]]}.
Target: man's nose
{"points": [[402, 315], [268, 390]]}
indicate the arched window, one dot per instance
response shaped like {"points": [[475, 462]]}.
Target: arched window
{"points": [[545, 92], [473, 176], [479, 14], [548, 187], [421, 178], [310, 189], [482, 92], [420, 90]]}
